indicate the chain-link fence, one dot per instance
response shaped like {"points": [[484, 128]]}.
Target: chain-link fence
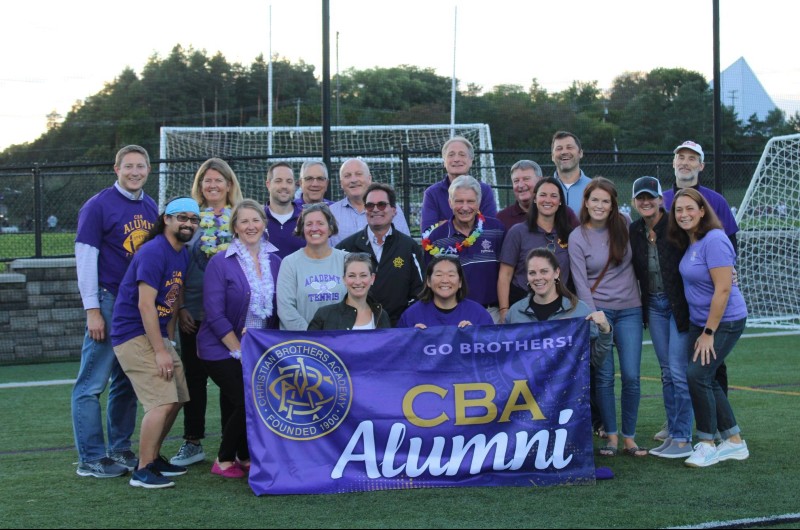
{"points": [[39, 205]]}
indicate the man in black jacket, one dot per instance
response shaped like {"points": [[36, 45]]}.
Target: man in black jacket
{"points": [[397, 257]]}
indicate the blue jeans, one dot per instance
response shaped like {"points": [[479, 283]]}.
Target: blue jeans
{"points": [[98, 363], [627, 324], [712, 410], [671, 346]]}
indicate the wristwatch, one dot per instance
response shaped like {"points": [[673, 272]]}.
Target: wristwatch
{"points": [[708, 331]]}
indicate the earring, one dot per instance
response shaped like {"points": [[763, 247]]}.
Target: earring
{"points": [[557, 280]]}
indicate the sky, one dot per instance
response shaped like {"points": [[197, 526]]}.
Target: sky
{"points": [[56, 52]]}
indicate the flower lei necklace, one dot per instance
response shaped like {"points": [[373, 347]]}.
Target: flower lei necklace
{"points": [[261, 289], [216, 230], [458, 247]]}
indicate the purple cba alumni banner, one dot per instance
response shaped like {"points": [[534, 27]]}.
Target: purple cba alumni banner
{"points": [[344, 411]]}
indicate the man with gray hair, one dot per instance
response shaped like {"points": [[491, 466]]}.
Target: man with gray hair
{"points": [[313, 183], [457, 155], [524, 176], [474, 237], [355, 177]]}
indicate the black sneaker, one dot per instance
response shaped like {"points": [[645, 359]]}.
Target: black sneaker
{"points": [[126, 458], [161, 465], [102, 468], [149, 478]]}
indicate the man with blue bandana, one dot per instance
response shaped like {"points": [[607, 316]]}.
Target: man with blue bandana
{"points": [[111, 227], [142, 329]]}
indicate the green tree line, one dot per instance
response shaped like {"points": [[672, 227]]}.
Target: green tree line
{"points": [[653, 110]]}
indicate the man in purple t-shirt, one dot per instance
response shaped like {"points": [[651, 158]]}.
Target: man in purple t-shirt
{"points": [[476, 240], [111, 227], [142, 330], [458, 155], [688, 162]]}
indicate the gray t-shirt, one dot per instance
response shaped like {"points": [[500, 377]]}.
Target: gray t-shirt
{"points": [[306, 284]]}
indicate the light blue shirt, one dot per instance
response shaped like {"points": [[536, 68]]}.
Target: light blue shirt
{"points": [[351, 220]]}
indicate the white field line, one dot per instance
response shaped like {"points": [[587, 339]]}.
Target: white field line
{"points": [[745, 523]]}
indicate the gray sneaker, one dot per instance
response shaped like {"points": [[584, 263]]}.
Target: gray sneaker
{"points": [[657, 450], [676, 451], [126, 459], [102, 468], [663, 434], [188, 454]]}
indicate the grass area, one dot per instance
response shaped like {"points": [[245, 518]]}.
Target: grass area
{"points": [[14, 246], [39, 487]]}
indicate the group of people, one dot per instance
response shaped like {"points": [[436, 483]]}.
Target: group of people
{"points": [[217, 264]]}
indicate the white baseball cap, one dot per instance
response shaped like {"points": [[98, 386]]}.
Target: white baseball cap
{"points": [[692, 146]]}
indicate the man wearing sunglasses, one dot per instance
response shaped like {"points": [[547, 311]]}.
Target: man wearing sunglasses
{"points": [[111, 227], [396, 257], [350, 214]]}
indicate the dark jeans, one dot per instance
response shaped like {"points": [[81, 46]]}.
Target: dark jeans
{"points": [[194, 411], [712, 410], [227, 375]]}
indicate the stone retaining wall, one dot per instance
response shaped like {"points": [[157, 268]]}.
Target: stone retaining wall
{"points": [[41, 315]]}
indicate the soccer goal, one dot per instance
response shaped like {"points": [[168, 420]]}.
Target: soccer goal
{"points": [[769, 237], [251, 150]]}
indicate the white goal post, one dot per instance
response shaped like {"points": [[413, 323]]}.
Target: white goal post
{"points": [[251, 150], [768, 264]]}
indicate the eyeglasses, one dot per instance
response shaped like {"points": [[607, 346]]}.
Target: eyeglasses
{"points": [[314, 179], [183, 218], [379, 205]]}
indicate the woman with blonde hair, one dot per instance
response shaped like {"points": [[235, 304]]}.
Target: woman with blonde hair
{"points": [[216, 189]]}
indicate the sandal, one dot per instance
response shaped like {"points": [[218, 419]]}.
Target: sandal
{"points": [[608, 450], [636, 451]]}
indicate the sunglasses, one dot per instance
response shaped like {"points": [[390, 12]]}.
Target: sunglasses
{"points": [[551, 242], [379, 205], [182, 218]]}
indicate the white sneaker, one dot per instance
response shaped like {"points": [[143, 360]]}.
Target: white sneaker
{"points": [[704, 455], [730, 451]]}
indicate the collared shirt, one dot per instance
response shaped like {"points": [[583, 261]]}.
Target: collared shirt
{"points": [[377, 247], [512, 215], [350, 220], [574, 192], [281, 234], [436, 203]]}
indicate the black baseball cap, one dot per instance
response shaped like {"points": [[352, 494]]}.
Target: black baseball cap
{"points": [[649, 185]]}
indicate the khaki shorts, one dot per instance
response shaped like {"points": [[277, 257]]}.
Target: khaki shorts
{"points": [[138, 360]]}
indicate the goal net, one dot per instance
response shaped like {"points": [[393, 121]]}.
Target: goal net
{"points": [[769, 237], [251, 150]]}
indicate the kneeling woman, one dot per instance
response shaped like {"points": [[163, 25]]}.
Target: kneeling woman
{"points": [[358, 310], [551, 300], [443, 301], [238, 294]]}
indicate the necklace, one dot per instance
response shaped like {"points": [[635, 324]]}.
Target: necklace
{"points": [[458, 247], [261, 289], [216, 230]]}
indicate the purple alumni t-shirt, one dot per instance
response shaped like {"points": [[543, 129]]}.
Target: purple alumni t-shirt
{"points": [[427, 313], [714, 250], [116, 226], [161, 267]]}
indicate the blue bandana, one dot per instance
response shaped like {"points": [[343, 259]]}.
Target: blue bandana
{"points": [[182, 204]]}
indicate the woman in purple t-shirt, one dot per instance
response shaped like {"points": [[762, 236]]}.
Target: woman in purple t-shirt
{"points": [[443, 301], [717, 314]]}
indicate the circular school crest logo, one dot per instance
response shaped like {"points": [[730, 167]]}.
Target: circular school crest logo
{"points": [[302, 390]]}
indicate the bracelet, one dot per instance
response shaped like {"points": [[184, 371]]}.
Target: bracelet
{"points": [[236, 354], [502, 308]]}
